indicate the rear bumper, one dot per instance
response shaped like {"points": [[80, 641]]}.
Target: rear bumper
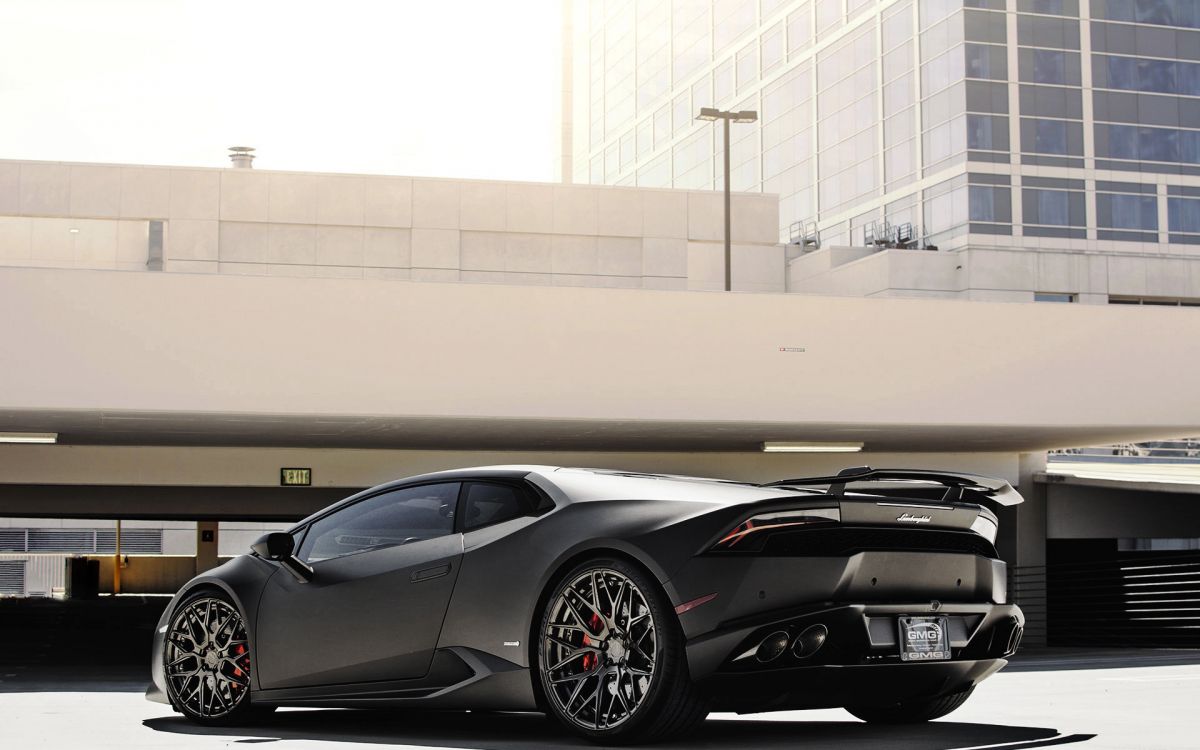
{"points": [[834, 686], [859, 660]]}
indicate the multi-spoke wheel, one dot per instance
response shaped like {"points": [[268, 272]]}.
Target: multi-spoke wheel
{"points": [[610, 656], [207, 660]]}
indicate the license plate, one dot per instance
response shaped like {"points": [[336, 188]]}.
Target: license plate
{"points": [[924, 639]]}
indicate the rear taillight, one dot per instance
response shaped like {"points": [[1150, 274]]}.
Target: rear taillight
{"points": [[749, 533]]}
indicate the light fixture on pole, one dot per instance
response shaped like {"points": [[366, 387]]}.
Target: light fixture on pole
{"points": [[712, 114]]}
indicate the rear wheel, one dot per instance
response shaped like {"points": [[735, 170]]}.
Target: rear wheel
{"points": [[611, 659], [912, 711], [207, 661]]}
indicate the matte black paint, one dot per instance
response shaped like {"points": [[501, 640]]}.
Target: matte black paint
{"points": [[447, 622]]}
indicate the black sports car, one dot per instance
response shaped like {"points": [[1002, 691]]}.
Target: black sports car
{"points": [[627, 605]]}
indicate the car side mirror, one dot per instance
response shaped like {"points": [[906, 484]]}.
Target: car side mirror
{"points": [[279, 546], [274, 546]]}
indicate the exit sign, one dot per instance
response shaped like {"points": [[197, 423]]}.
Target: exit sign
{"points": [[295, 477]]}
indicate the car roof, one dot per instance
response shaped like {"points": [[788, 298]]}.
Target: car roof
{"points": [[570, 485], [584, 484]]}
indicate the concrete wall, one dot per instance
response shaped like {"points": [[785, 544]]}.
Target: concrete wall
{"points": [[147, 574], [87, 465], [994, 275], [257, 222], [176, 354]]}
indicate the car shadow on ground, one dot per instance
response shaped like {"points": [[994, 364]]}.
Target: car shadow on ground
{"points": [[507, 731]]}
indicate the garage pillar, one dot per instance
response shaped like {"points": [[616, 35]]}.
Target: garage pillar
{"points": [[206, 546], [1022, 544]]}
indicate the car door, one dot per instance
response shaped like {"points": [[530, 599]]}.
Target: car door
{"points": [[383, 571]]}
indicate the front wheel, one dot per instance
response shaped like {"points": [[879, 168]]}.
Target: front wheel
{"points": [[610, 657], [911, 711], [207, 661]]}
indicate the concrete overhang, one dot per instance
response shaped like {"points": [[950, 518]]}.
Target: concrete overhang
{"points": [[1146, 477], [179, 359]]}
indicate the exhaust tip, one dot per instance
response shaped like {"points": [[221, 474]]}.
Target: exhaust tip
{"points": [[772, 647], [810, 641]]}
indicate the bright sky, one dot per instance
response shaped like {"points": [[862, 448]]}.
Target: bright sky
{"points": [[450, 88]]}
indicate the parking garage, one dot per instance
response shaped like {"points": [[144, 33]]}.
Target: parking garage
{"points": [[194, 411]]}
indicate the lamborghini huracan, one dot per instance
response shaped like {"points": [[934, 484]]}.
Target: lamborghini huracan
{"points": [[625, 605]]}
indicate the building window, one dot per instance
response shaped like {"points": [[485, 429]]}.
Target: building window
{"points": [[1049, 66], [1053, 297], [772, 49], [988, 61], [1183, 215], [1148, 144], [987, 132], [1155, 76], [1050, 7], [1156, 302], [723, 82], [1050, 136], [1159, 12], [1138, 212], [799, 29], [747, 67], [1059, 208], [681, 108], [990, 203]]}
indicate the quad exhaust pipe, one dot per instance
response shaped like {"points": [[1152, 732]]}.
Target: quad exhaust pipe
{"points": [[773, 646], [809, 642]]}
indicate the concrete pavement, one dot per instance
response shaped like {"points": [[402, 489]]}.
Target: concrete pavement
{"points": [[1091, 699]]}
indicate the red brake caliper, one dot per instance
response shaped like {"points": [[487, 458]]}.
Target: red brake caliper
{"points": [[589, 659], [238, 650]]}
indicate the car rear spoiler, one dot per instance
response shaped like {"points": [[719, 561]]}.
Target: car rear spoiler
{"points": [[996, 490]]}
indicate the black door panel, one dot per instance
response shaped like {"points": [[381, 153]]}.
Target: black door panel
{"points": [[374, 615]]}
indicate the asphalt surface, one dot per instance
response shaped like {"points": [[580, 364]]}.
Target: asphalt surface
{"points": [[61, 688]]}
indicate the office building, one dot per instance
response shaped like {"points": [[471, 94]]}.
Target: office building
{"points": [[993, 127]]}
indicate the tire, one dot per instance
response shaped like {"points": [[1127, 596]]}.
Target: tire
{"points": [[207, 662], [912, 711], [608, 633]]}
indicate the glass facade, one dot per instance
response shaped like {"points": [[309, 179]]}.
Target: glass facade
{"points": [[996, 118]]}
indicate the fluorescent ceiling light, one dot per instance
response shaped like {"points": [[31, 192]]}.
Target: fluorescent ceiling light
{"points": [[781, 447], [28, 437]]}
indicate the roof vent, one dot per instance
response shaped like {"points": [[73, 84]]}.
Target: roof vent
{"points": [[242, 157]]}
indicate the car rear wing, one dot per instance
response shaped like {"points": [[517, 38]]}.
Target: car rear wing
{"points": [[995, 490]]}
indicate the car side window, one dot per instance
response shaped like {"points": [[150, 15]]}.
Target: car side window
{"points": [[485, 504], [392, 518]]}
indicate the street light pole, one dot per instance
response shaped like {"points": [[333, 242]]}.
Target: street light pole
{"points": [[728, 233], [710, 114]]}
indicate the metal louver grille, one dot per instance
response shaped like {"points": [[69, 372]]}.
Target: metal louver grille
{"points": [[1144, 600], [98, 541], [62, 540], [12, 577], [12, 540], [133, 541]]}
